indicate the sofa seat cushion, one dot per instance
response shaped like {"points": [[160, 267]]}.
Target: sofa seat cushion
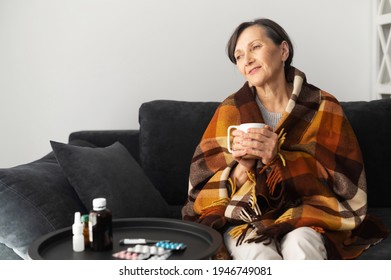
{"points": [[110, 172], [7, 253], [382, 251]]}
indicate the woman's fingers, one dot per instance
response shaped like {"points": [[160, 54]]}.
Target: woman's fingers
{"points": [[258, 143]]}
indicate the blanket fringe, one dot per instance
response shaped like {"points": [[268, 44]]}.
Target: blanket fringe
{"points": [[238, 230], [274, 177], [281, 140], [220, 202]]}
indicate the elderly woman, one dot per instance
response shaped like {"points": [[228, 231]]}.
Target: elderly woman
{"points": [[293, 189]]}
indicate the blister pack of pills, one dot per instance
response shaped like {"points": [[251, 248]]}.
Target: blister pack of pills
{"points": [[143, 252], [161, 250], [171, 245]]}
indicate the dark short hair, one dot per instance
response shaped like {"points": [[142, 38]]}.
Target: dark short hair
{"points": [[273, 31]]}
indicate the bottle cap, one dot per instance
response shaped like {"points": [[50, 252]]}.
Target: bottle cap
{"points": [[85, 218], [77, 227], [99, 203]]}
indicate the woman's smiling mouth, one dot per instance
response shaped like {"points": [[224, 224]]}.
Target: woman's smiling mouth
{"points": [[253, 70]]}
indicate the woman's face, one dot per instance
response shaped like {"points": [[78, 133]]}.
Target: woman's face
{"points": [[258, 58]]}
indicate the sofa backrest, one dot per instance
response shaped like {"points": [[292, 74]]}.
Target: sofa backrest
{"points": [[170, 131], [371, 121]]}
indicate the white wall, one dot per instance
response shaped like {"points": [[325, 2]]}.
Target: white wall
{"points": [[88, 64]]}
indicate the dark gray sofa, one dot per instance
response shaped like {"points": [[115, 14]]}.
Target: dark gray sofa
{"points": [[41, 196]]}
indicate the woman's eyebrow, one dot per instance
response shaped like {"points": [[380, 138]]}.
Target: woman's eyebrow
{"points": [[252, 42]]}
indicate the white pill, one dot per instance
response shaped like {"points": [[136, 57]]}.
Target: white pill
{"points": [[138, 248], [145, 249], [160, 250], [153, 250]]}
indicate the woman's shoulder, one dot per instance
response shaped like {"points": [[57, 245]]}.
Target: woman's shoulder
{"points": [[326, 96], [330, 103], [229, 100]]}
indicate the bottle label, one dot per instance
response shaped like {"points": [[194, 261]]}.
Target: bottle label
{"points": [[91, 222]]}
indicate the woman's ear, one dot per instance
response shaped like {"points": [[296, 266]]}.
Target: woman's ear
{"points": [[284, 50]]}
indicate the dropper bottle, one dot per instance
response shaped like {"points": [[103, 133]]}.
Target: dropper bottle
{"points": [[78, 237]]}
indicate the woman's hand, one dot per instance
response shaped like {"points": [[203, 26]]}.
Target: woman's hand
{"points": [[257, 143], [239, 154]]}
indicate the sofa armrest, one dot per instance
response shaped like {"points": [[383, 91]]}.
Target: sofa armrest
{"points": [[104, 138]]}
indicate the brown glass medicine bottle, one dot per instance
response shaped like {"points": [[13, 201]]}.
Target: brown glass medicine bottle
{"points": [[86, 230], [100, 226]]}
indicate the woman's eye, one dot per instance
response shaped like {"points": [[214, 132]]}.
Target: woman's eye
{"points": [[238, 57], [256, 47]]}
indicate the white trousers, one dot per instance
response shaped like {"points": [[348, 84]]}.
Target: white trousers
{"points": [[303, 243]]}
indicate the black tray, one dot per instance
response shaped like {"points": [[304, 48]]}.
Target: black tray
{"points": [[202, 242]]}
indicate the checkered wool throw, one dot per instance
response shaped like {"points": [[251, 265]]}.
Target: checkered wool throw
{"points": [[316, 180]]}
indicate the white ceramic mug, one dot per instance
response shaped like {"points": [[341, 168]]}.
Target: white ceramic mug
{"points": [[243, 127]]}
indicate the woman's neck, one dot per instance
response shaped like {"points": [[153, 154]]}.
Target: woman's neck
{"points": [[275, 98]]}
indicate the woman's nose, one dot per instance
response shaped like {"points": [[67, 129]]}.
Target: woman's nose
{"points": [[249, 59]]}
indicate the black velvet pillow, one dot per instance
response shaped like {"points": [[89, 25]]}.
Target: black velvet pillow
{"points": [[35, 198], [110, 172]]}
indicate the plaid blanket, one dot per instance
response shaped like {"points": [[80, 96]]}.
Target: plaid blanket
{"points": [[317, 179]]}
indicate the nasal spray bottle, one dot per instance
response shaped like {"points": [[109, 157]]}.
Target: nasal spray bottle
{"points": [[78, 237]]}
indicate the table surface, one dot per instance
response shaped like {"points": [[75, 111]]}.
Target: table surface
{"points": [[202, 242]]}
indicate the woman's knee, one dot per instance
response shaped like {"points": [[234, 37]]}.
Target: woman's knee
{"points": [[301, 234], [303, 243]]}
